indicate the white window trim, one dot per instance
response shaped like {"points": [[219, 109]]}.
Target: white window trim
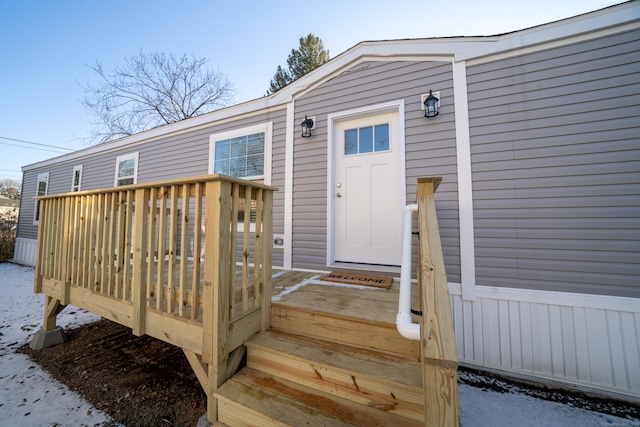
{"points": [[73, 178], [267, 128], [46, 191], [123, 158]]}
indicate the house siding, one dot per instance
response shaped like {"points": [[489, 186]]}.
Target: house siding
{"points": [[547, 285], [429, 148], [555, 152], [158, 160]]}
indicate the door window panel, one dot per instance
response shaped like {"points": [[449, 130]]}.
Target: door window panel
{"points": [[367, 139], [382, 137], [351, 141]]}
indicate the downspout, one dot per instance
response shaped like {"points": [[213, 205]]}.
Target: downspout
{"points": [[405, 326]]}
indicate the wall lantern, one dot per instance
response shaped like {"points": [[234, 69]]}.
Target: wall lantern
{"points": [[431, 106], [307, 125]]}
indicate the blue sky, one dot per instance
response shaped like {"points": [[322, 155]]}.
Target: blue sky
{"points": [[46, 45]]}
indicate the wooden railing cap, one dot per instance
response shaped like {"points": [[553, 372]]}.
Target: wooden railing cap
{"points": [[166, 182], [436, 180]]}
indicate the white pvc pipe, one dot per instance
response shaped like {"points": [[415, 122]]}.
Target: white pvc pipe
{"points": [[405, 326]]}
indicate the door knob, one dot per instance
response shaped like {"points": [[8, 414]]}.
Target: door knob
{"points": [[338, 195]]}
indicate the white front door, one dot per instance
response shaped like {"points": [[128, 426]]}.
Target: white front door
{"points": [[367, 190]]}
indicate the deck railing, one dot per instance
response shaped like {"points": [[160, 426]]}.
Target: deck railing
{"points": [[186, 261]]}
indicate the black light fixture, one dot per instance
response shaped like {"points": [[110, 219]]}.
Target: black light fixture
{"points": [[307, 124], [431, 106]]}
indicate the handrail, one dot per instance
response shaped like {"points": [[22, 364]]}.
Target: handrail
{"points": [[404, 324]]}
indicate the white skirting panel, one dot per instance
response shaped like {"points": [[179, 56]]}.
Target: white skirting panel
{"points": [[585, 340], [25, 251]]}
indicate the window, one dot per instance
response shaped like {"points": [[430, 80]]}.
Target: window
{"points": [[41, 190], [245, 153], [126, 169], [76, 182], [366, 139]]}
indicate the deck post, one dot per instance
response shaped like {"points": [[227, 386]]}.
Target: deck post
{"points": [[37, 279], [218, 267], [51, 227], [50, 334], [267, 258], [438, 345]]}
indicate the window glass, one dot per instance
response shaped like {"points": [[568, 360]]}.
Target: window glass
{"points": [[365, 143], [382, 137], [126, 169], [366, 139], [41, 190], [77, 178], [42, 185], [351, 141], [242, 153], [240, 157]]}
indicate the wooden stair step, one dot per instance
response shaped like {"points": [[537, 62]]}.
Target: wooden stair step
{"points": [[254, 398], [341, 328], [387, 382]]}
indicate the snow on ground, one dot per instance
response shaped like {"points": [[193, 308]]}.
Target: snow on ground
{"points": [[30, 397]]}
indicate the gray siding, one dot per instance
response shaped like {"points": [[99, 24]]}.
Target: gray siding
{"points": [[182, 155], [556, 168], [430, 149]]}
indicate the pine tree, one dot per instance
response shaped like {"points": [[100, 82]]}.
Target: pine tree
{"points": [[309, 56]]}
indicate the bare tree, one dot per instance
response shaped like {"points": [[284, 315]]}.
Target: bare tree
{"points": [[152, 90], [10, 188]]}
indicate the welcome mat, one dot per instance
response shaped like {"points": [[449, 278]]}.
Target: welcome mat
{"points": [[383, 282]]}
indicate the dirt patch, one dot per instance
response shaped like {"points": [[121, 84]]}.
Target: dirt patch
{"points": [[141, 381], [138, 381]]}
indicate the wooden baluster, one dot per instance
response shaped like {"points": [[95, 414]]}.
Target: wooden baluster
{"points": [[153, 197], [128, 246], [80, 242], [197, 245], [99, 243], [184, 249], [246, 249], [257, 253], [119, 285], [92, 248], [162, 243], [86, 248], [111, 243], [173, 218], [235, 201]]}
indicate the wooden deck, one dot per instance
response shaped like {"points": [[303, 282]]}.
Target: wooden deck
{"points": [[305, 290], [174, 260], [361, 316]]}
